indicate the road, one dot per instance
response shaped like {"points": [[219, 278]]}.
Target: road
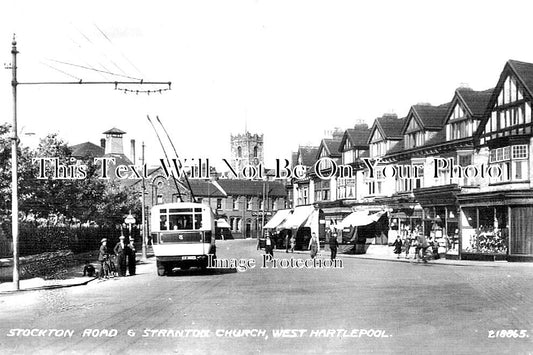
{"points": [[368, 306]]}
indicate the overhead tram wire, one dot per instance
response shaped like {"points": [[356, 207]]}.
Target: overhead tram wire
{"points": [[83, 59], [122, 53], [116, 49], [61, 71], [103, 54], [97, 70], [176, 153], [166, 156]]}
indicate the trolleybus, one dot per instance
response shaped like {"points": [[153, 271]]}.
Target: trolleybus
{"points": [[183, 235]]}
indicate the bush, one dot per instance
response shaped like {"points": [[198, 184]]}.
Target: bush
{"points": [[35, 240]]}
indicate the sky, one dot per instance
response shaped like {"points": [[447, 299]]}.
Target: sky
{"points": [[290, 69]]}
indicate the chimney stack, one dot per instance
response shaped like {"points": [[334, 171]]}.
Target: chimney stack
{"points": [[132, 152], [102, 143]]}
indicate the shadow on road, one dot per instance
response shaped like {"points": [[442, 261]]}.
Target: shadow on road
{"points": [[200, 272]]}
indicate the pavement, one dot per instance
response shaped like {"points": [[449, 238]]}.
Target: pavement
{"points": [[72, 277], [375, 252]]}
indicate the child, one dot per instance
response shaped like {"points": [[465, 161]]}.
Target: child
{"points": [[407, 245], [293, 243]]}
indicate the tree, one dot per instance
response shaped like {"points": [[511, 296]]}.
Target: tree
{"points": [[117, 202], [25, 172], [71, 199]]}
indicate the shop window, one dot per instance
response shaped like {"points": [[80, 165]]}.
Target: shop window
{"points": [[488, 235]]}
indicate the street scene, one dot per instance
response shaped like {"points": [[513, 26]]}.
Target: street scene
{"points": [[266, 177], [368, 306]]}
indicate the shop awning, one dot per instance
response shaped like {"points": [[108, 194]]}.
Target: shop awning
{"points": [[278, 218], [312, 220], [360, 218], [298, 217], [221, 223], [445, 195]]}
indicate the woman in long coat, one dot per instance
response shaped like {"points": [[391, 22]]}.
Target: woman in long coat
{"points": [[120, 251], [313, 245]]}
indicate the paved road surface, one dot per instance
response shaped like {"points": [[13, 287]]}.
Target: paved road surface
{"points": [[408, 308]]}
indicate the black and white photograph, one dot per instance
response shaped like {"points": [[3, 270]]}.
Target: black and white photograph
{"points": [[266, 177]]}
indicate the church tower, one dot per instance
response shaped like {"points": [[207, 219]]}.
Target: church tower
{"points": [[246, 149]]}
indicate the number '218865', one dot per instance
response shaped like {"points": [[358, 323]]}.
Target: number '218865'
{"points": [[508, 333]]}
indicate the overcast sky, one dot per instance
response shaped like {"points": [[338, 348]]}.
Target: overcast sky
{"points": [[288, 69]]}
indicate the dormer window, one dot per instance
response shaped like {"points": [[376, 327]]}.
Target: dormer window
{"points": [[414, 136], [460, 125]]}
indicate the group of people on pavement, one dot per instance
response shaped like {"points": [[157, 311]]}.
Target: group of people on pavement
{"points": [[420, 242], [290, 244], [125, 256]]}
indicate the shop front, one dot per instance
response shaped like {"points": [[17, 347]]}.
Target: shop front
{"points": [[405, 216], [497, 226], [440, 217]]}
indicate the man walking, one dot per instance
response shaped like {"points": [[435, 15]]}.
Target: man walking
{"points": [[333, 245]]}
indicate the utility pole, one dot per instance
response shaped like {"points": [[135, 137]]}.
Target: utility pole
{"points": [[14, 171], [14, 142], [143, 206]]}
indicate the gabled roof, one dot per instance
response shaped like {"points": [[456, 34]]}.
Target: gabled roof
{"points": [[240, 187], [428, 117], [475, 102], [307, 154], [389, 126], [114, 130], [524, 74], [87, 149], [331, 146], [357, 136]]}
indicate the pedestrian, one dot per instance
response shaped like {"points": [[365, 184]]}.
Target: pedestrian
{"points": [[397, 246], [435, 248], [287, 243], [333, 245], [407, 245], [269, 246], [132, 257], [313, 245], [422, 246], [293, 243], [103, 257], [120, 252]]}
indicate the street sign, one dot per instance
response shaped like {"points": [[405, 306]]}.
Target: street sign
{"points": [[129, 219]]}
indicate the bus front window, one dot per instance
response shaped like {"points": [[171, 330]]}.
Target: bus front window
{"points": [[181, 221]]}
